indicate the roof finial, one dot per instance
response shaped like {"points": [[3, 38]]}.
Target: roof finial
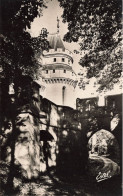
{"points": [[57, 25]]}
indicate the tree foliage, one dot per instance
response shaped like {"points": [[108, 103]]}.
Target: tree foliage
{"points": [[18, 48], [97, 27], [18, 56]]}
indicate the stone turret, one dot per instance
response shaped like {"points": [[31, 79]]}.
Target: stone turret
{"points": [[58, 76]]}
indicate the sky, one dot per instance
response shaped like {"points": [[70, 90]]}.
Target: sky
{"points": [[49, 21]]}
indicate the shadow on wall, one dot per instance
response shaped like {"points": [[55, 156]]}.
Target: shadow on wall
{"points": [[67, 155], [47, 151]]}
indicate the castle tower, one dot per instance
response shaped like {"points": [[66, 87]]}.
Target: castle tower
{"points": [[58, 76]]}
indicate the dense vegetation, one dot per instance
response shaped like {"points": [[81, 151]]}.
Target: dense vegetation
{"points": [[18, 49], [97, 27]]}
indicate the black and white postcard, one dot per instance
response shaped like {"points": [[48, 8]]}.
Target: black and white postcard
{"points": [[60, 98]]}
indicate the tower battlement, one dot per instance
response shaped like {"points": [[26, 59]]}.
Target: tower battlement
{"points": [[58, 51]]}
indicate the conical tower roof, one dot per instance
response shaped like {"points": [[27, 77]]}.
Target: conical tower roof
{"points": [[56, 42]]}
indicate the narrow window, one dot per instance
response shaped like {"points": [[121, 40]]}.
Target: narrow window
{"points": [[113, 104], [53, 70], [63, 94], [63, 60], [46, 71], [87, 105], [54, 59], [64, 71]]}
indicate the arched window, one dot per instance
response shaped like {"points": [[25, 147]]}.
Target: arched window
{"points": [[63, 94]]}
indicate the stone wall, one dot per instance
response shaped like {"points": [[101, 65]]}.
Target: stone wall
{"points": [[27, 148], [71, 130], [20, 130], [67, 151], [49, 136]]}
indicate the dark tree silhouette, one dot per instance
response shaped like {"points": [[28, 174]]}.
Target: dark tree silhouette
{"points": [[97, 27], [19, 51]]}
